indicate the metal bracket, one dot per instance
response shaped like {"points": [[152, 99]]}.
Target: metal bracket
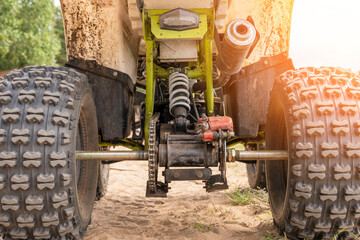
{"points": [[187, 174], [257, 38], [215, 184], [161, 190]]}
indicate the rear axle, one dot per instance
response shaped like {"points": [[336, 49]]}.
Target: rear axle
{"points": [[233, 155]]}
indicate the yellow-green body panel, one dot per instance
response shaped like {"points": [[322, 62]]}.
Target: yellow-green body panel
{"points": [[153, 34]]}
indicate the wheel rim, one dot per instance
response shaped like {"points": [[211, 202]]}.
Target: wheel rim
{"points": [[81, 166], [277, 172]]}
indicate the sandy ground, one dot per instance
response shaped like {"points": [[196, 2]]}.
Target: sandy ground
{"points": [[125, 213]]}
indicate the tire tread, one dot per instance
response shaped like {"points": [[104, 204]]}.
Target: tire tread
{"points": [[36, 188], [324, 147]]}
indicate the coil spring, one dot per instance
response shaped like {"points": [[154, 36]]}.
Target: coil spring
{"points": [[179, 93]]}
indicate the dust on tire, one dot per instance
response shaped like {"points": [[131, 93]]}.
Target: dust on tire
{"points": [[40, 110], [320, 108]]}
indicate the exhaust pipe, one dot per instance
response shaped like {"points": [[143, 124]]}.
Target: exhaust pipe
{"points": [[234, 48]]}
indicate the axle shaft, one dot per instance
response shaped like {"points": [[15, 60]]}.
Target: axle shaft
{"points": [[259, 155], [234, 155], [112, 156]]}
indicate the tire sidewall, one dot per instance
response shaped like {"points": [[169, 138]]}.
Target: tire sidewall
{"points": [[86, 111], [274, 128]]}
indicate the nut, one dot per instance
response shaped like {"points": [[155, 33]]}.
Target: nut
{"points": [[199, 174], [231, 155]]}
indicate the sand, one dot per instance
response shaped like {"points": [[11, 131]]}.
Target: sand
{"points": [[125, 212]]}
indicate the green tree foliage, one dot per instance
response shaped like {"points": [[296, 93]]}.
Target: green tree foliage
{"points": [[59, 30], [27, 33]]}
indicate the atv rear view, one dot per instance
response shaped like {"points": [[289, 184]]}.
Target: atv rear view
{"points": [[180, 83]]}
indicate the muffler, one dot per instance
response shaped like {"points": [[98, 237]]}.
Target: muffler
{"points": [[239, 37]]}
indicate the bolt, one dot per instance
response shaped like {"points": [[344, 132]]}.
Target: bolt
{"points": [[203, 117], [242, 71], [205, 126], [115, 74], [266, 62], [176, 175], [199, 174]]}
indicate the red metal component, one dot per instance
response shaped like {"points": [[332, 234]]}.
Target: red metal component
{"points": [[215, 124], [219, 123], [208, 136]]}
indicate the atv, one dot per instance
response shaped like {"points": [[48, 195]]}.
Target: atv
{"points": [[180, 83]]}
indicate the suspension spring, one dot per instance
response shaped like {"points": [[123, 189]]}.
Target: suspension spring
{"points": [[179, 95]]}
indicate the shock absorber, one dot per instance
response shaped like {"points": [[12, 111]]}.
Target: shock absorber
{"points": [[179, 95]]}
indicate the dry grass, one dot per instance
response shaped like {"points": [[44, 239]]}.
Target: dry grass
{"points": [[248, 196]]}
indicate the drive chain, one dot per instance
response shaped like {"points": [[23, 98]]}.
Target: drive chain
{"points": [[153, 153]]}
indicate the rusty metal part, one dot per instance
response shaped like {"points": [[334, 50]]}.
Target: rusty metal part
{"points": [[239, 37], [153, 167], [213, 185], [187, 174], [112, 156], [219, 182], [223, 154], [260, 155], [186, 154], [186, 150]]}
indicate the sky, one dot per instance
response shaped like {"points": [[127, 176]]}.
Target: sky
{"points": [[325, 33]]}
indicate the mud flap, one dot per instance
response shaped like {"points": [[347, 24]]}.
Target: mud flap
{"points": [[114, 94], [247, 94]]}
